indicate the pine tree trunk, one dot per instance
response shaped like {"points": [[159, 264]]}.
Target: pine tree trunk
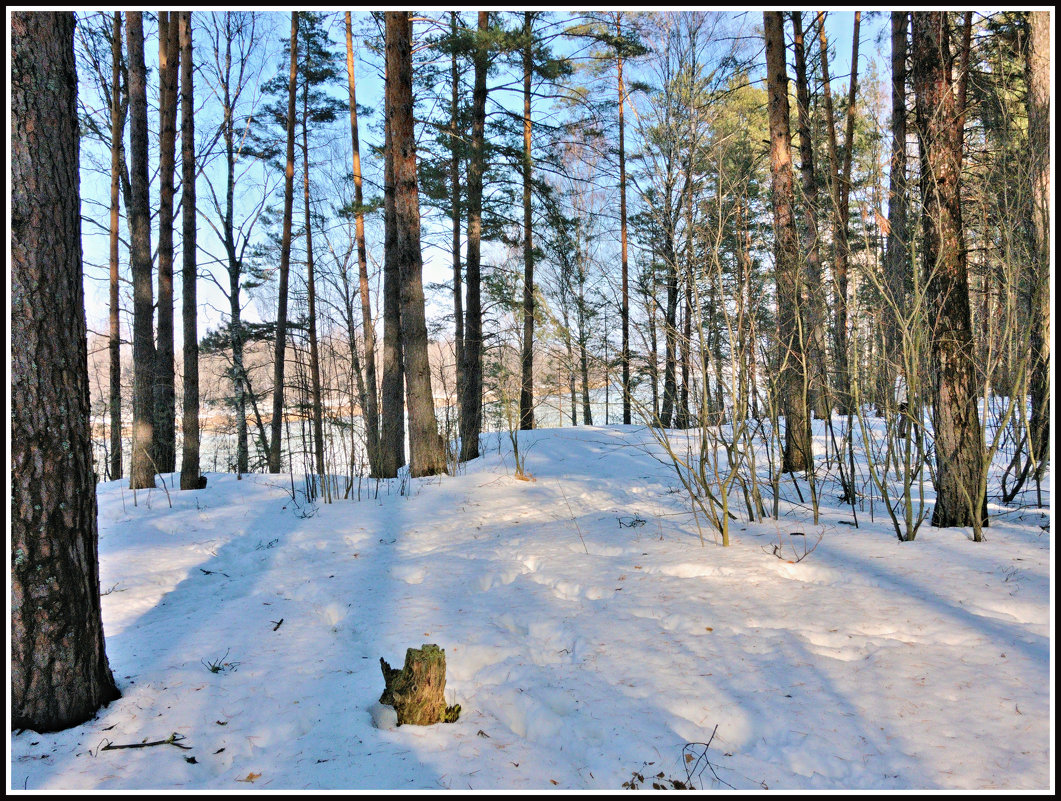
{"points": [[455, 135], [1038, 76], [189, 317], [311, 299], [392, 433], [235, 266], [369, 404], [471, 417], [797, 450], [526, 389], [897, 270], [285, 262], [816, 314], [840, 182], [59, 670], [427, 455], [165, 393], [117, 128], [625, 308], [958, 439], [142, 467]]}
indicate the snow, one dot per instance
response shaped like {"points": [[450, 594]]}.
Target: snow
{"points": [[582, 645]]}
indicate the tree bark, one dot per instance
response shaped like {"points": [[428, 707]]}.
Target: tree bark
{"points": [[816, 314], [958, 439], [285, 262], [625, 308], [165, 392], [897, 269], [1038, 76], [142, 468], [526, 390], [455, 134], [189, 312], [840, 182], [59, 670], [392, 433], [797, 449], [117, 132], [427, 455], [471, 417], [369, 406], [311, 299]]}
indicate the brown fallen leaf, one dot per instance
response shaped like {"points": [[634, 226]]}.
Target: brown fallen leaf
{"points": [[554, 781], [250, 777]]}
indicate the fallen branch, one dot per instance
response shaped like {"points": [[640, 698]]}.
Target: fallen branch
{"points": [[174, 740]]}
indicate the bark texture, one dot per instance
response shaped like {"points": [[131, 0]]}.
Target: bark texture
{"points": [[417, 691], [189, 312], [142, 467], [427, 455], [471, 416], [369, 405], [275, 437], [165, 447], [1038, 75], [797, 450], [959, 447], [59, 671], [117, 131]]}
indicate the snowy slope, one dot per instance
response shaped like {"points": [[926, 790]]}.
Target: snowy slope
{"points": [[583, 645]]}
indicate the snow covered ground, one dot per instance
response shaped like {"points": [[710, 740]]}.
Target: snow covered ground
{"points": [[590, 637]]}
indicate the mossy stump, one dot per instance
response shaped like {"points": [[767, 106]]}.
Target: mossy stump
{"points": [[416, 691]]}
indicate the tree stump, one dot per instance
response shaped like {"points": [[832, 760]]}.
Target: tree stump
{"points": [[416, 691]]}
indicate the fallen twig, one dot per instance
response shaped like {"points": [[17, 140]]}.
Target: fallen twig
{"points": [[174, 740]]}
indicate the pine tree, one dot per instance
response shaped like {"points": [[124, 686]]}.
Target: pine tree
{"points": [[142, 468], [427, 455], [59, 670], [797, 450]]}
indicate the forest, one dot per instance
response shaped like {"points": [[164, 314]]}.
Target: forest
{"points": [[457, 292]]}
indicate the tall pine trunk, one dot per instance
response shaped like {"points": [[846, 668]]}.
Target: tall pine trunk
{"points": [[797, 449], [277, 422], [165, 392], [427, 455], [455, 134], [840, 183], [59, 670], [526, 388], [958, 439], [311, 299], [369, 403], [816, 315], [117, 132], [625, 307], [897, 267], [142, 466], [471, 417], [189, 315], [1038, 76], [392, 432]]}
